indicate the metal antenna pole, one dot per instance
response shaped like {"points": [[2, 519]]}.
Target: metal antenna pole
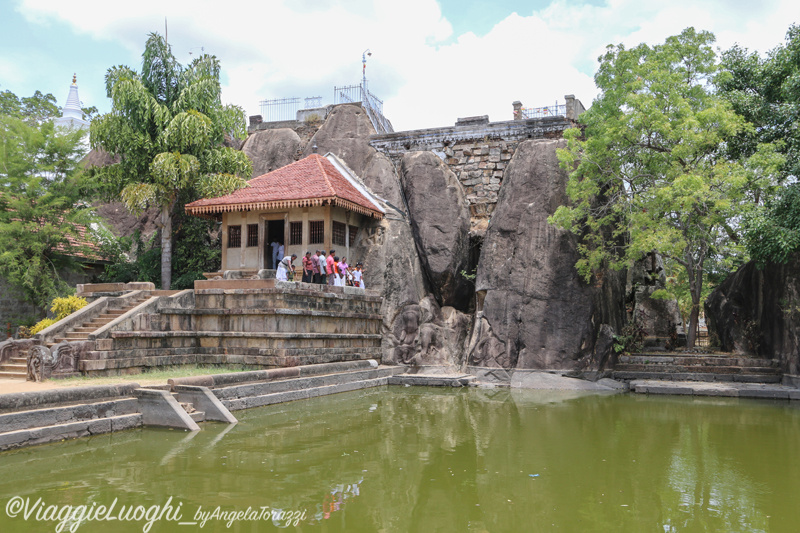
{"points": [[364, 55]]}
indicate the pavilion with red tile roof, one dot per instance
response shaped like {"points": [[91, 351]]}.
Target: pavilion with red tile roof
{"points": [[314, 203]]}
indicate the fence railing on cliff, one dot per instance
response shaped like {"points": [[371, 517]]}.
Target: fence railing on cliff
{"points": [[555, 110], [373, 105], [280, 109]]}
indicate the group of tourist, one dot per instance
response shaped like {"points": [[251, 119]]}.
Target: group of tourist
{"points": [[321, 269]]}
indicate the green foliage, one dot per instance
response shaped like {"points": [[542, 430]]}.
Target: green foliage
{"points": [[197, 250], [651, 173], [65, 306], [168, 126], [33, 110], [42, 324], [773, 233], [630, 339], [40, 208], [766, 92]]}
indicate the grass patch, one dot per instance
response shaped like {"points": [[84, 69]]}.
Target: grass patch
{"points": [[152, 377]]}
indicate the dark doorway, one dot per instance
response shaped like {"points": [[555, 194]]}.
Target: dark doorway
{"points": [[274, 234]]}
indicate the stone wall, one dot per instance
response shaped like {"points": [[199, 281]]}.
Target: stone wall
{"points": [[13, 310], [479, 167], [477, 151]]}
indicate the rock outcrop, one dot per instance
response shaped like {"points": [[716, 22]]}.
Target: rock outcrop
{"points": [[533, 310], [272, 149], [440, 220], [346, 133], [658, 318], [757, 312]]}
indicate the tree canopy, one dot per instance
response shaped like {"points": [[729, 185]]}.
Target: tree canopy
{"points": [[41, 213], [651, 173], [766, 91], [168, 127]]}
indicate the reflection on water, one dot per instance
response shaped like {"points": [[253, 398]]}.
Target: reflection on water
{"points": [[418, 459]]}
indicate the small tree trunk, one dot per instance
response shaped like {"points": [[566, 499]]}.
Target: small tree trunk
{"points": [[696, 291], [166, 247]]}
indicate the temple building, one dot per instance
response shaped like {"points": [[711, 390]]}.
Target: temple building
{"points": [[71, 113], [314, 203]]}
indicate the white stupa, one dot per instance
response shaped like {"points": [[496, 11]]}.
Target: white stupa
{"points": [[71, 114]]}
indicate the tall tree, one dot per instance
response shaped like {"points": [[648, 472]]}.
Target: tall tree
{"points": [[766, 91], [650, 174], [168, 126], [41, 213]]}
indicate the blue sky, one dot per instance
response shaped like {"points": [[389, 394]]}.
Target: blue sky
{"points": [[432, 61]]}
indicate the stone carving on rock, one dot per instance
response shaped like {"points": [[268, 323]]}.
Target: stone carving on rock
{"points": [[40, 363], [486, 349], [8, 349], [429, 344], [65, 359], [404, 332]]}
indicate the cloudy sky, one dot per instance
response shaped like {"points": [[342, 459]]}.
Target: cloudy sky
{"points": [[432, 60]]}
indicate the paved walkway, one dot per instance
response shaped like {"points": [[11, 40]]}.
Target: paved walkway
{"points": [[706, 388]]}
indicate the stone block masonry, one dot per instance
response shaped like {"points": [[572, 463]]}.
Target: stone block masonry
{"points": [[477, 151]]}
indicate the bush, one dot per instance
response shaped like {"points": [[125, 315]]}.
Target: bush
{"points": [[42, 324], [63, 307]]}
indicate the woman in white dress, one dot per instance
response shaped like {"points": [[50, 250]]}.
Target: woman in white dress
{"points": [[284, 266]]}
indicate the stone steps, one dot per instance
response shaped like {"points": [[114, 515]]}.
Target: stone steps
{"points": [[712, 369], [259, 394], [671, 366], [116, 364], [698, 360], [39, 426], [82, 332], [697, 376], [69, 430]]}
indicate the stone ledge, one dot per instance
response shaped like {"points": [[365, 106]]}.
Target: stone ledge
{"points": [[26, 400], [242, 334], [271, 311], [730, 389], [42, 435]]}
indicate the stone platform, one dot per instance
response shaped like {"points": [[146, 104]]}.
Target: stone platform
{"points": [[729, 389]]}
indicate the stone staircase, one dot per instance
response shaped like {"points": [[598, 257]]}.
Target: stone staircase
{"points": [[14, 368], [261, 328], [672, 366], [27, 418], [197, 416], [82, 332]]}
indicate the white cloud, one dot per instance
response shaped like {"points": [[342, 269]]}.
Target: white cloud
{"points": [[274, 48]]}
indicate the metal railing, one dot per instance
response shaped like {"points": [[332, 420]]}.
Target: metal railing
{"points": [[555, 110], [280, 109], [351, 94]]}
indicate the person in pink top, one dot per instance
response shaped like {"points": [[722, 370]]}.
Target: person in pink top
{"points": [[329, 267]]}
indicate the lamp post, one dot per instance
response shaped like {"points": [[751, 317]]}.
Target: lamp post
{"points": [[364, 55]]}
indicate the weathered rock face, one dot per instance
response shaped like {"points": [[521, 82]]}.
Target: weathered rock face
{"points": [[533, 310], [757, 312], [272, 149], [440, 220], [346, 133], [415, 330], [657, 317]]}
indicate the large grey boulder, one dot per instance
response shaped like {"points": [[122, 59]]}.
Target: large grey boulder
{"points": [[272, 149], [533, 309], [346, 133], [440, 220], [757, 312], [416, 329]]}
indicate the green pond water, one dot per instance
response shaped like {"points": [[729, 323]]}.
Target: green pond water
{"points": [[396, 459]]}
